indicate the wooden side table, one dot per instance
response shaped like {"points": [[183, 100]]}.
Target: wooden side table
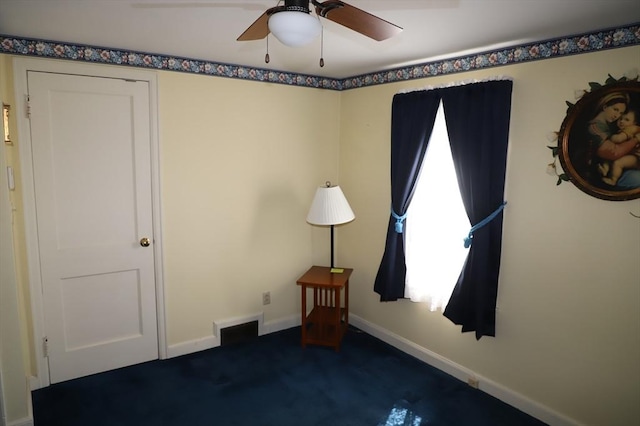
{"points": [[328, 320]]}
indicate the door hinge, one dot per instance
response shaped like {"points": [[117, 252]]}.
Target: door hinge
{"points": [[28, 107], [45, 346]]}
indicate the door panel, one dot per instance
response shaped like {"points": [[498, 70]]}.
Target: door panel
{"points": [[92, 178], [88, 321]]}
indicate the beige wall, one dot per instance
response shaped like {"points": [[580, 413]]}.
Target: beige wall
{"points": [[240, 161], [568, 319], [240, 164]]}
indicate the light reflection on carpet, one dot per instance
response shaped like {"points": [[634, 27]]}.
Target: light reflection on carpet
{"points": [[402, 416]]}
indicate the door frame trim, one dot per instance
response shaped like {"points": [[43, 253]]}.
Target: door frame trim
{"points": [[21, 66]]}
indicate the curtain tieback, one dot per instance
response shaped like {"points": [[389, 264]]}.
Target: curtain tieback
{"points": [[483, 222], [399, 221]]}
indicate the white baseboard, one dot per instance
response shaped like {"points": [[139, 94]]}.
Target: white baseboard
{"points": [[21, 422], [458, 371], [25, 421], [34, 382], [281, 324], [192, 346], [210, 342]]}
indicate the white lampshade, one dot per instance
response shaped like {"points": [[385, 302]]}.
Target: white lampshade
{"points": [[294, 28], [330, 207]]}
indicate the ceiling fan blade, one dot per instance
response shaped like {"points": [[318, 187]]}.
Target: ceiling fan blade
{"points": [[356, 19], [260, 28]]}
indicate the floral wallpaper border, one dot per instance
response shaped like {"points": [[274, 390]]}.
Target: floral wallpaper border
{"points": [[571, 45]]}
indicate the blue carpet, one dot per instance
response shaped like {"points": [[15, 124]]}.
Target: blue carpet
{"points": [[272, 381]]}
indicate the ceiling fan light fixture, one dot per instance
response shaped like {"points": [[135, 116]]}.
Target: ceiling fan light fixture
{"points": [[294, 28]]}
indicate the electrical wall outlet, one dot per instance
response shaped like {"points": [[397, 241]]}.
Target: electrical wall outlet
{"points": [[266, 298]]}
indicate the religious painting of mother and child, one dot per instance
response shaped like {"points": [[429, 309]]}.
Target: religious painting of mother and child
{"points": [[599, 142]]}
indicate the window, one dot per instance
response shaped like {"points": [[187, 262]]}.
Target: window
{"points": [[477, 117], [436, 225]]}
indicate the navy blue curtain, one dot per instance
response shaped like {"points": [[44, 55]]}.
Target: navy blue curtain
{"points": [[412, 118], [477, 117]]}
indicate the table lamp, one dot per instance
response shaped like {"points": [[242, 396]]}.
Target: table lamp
{"points": [[330, 207]]}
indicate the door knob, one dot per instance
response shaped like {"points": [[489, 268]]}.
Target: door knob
{"points": [[144, 242]]}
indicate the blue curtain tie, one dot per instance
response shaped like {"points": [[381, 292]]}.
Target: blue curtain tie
{"points": [[483, 222], [399, 221]]}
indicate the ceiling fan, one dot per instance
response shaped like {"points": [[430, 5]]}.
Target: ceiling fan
{"points": [[293, 24]]}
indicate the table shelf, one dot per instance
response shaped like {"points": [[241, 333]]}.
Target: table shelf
{"points": [[323, 314], [321, 328]]}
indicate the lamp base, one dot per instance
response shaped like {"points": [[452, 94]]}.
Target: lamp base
{"points": [[337, 270]]}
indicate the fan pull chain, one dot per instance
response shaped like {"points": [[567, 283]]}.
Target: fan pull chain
{"points": [[266, 57], [321, 47]]}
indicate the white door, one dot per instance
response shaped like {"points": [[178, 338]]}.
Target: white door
{"points": [[92, 176]]}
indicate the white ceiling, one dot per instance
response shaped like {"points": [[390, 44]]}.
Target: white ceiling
{"points": [[208, 29]]}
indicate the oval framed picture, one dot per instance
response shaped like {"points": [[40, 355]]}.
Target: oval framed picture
{"points": [[599, 142]]}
